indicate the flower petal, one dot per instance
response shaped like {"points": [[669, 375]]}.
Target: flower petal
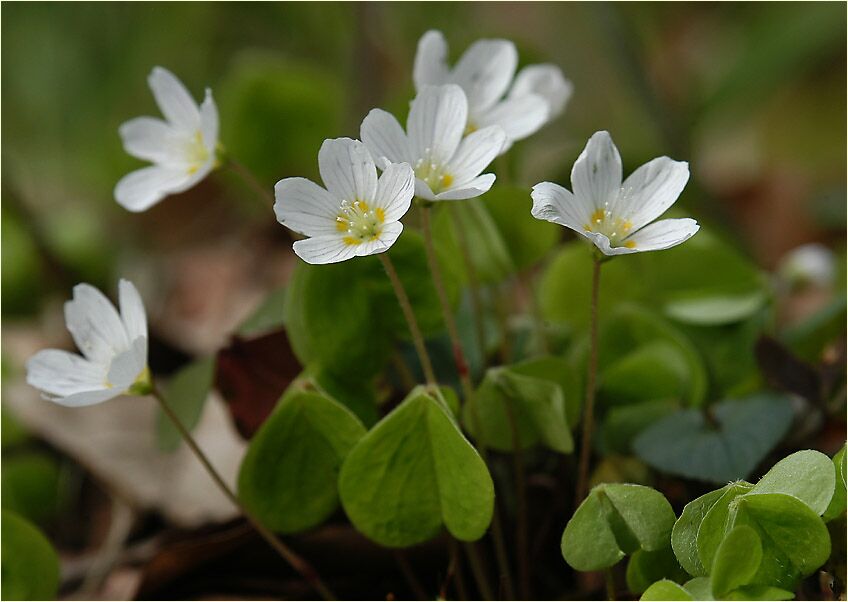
{"points": [[387, 238], [519, 117], [209, 122], [650, 190], [126, 366], [596, 175], [469, 190], [423, 191], [173, 99], [431, 67], [474, 154], [150, 139], [553, 203], [436, 123], [95, 325], [547, 81], [347, 169], [132, 310], [323, 249], [395, 190], [141, 189], [305, 207], [663, 234], [56, 373], [88, 398], [385, 138], [603, 243], [484, 72]]}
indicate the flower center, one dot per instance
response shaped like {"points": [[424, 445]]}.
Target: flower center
{"points": [[614, 228], [196, 153], [433, 174], [359, 223]]}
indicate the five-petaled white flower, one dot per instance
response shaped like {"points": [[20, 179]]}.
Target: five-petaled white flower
{"points": [[113, 346], [181, 147], [357, 214], [617, 217], [447, 166], [537, 95]]}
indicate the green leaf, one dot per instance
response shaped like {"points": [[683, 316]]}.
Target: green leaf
{"points": [[706, 309], [270, 315], [278, 112], [666, 590], [714, 524], [561, 372], [838, 502], [656, 370], [30, 566], [759, 592], [807, 475], [615, 520], [413, 472], [487, 249], [185, 394], [536, 407], [644, 568], [795, 539], [737, 560], [356, 394], [288, 476], [31, 485], [527, 239], [643, 357], [699, 588], [622, 424], [684, 535], [686, 444]]}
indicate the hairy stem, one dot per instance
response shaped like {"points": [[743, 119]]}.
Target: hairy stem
{"points": [[251, 180], [290, 556], [589, 405], [412, 322], [467, 386]]}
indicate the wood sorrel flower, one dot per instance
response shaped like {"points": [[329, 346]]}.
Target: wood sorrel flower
{"points": [[617, 217], [447, 166], [113, 346], [537, 95], [356, 214], [181, 147]]}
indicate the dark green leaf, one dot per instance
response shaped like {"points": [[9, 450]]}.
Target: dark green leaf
{"points": [[527, 239], [684, 535], [31, 485], [686, 444], [838, 502], [288, 476], [715, 522], [644, 568]]}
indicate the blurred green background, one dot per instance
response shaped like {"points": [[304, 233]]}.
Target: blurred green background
{"points": [[752, 95]]}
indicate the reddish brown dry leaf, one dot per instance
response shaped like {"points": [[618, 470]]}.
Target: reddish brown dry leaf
{"points": [[251, 374]]}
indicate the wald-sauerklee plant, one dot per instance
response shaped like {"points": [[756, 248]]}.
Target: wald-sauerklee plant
{"points": [[657, 367]]}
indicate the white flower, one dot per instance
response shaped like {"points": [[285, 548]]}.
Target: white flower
{"points": [[617, 217], [181, 147], [114, 350], [538, 93], [357, 214], [447, 166]]}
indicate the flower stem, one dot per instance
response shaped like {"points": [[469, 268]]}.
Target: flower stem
{"points": [[465, 382], [290, 556], [610, 582], [251, 180], [589, 405], [454, 573], [412, 322]]}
